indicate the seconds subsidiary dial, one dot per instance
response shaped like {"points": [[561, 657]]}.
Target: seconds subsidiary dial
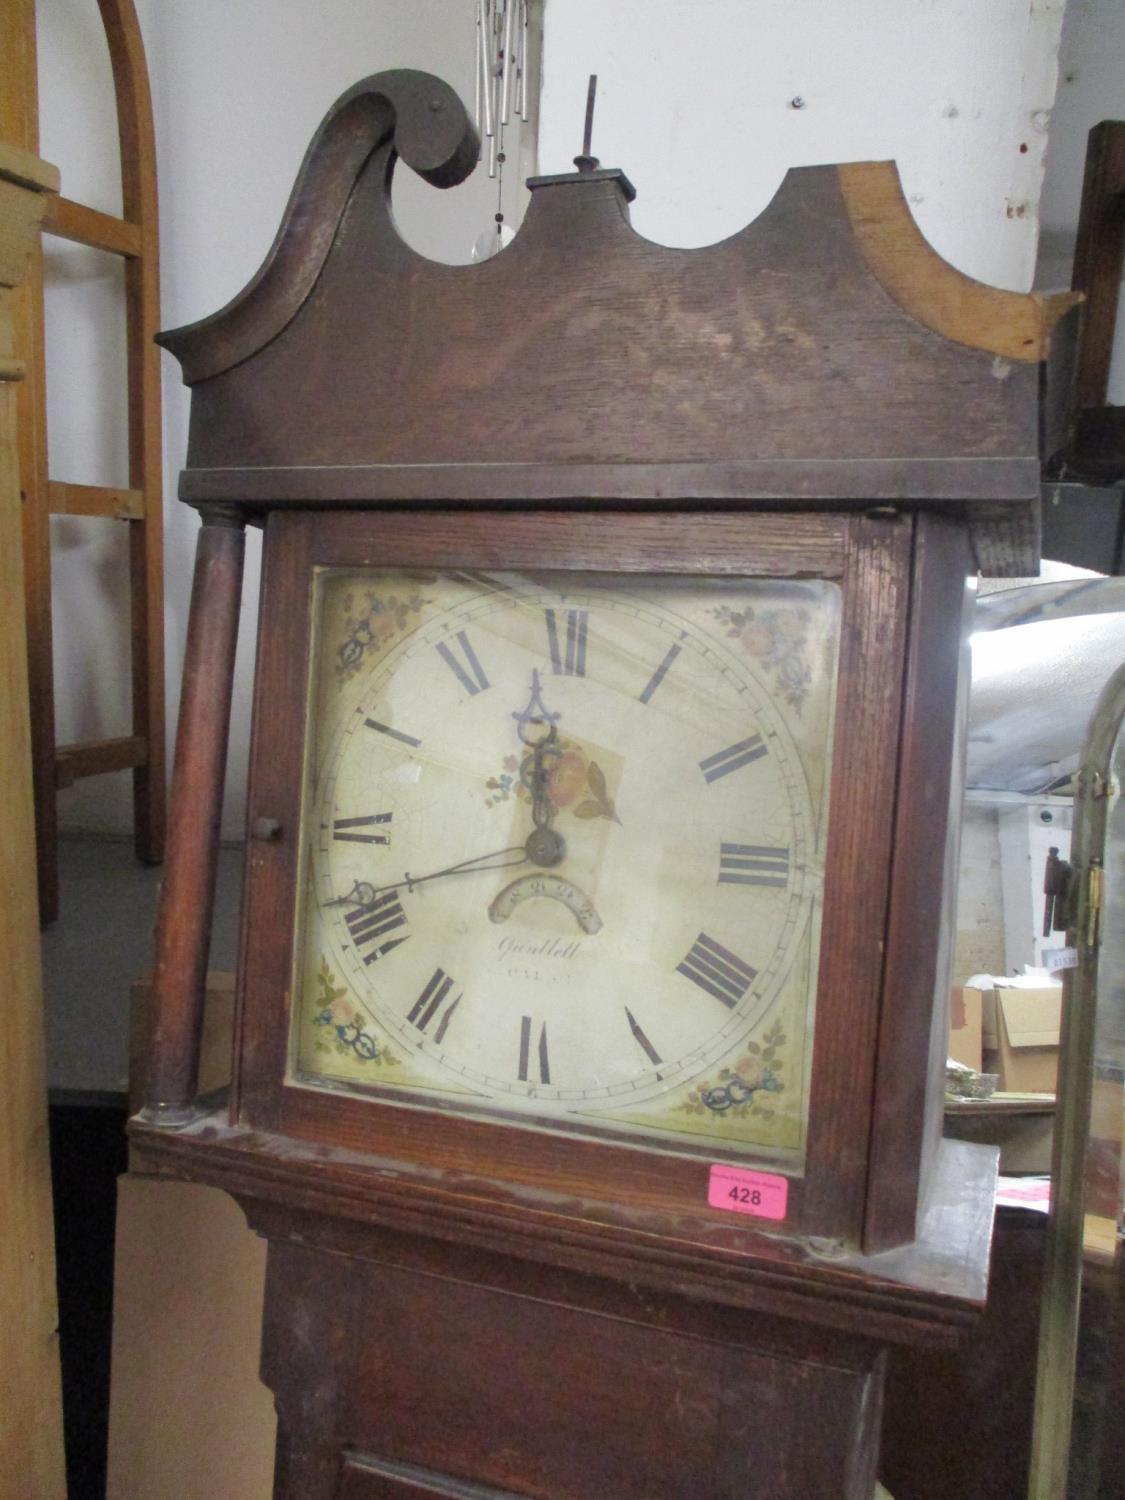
{"points": [[563, 849]]}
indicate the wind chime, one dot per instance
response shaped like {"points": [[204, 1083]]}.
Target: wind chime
{"points": [[502, 97]]}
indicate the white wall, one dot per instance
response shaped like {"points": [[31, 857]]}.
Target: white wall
{"points": [[695, 102], [86, 410], [238, 89]]}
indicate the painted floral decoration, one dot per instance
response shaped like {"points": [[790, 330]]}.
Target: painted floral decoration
{"points": [[369, 623], [778, 638], [575, 783], [344, 1029], [739, 1091]]}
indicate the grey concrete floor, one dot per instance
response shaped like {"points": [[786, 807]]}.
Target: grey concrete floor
{"points": [[100, 945]]}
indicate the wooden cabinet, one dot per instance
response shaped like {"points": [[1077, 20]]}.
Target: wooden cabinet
{"points": [[500, 1262]]}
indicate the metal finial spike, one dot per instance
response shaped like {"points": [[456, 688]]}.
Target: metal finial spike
{"points": [[586, 162]]}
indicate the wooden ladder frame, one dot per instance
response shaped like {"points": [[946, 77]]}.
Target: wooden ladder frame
{"points": [[134, 237]]}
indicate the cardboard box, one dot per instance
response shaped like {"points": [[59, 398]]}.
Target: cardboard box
{"points": [[965, 1025], [1020, 1033], [188, 1413]]}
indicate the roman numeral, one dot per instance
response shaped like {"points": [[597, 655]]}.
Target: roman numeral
{"points": [[430, 1001], [371, 923], [470, 673], [726, 761], [525, 1052], [571, 661], [715, 969], [658, 676], [753, 864], [350, 830], [642, 1041], [395, 734]]}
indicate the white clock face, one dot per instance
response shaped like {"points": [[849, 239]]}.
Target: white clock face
{"points": [[562, 849]]}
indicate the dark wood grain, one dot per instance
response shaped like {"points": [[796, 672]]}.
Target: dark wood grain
{"points": [[311, 1334], [926, 1293], [1098, 256], [270, 873], [776, 344], [187, 894], [1003, 540], [805, 546], [411, 114], [914, 1025], [771, 367], [1002, 486], [1098, 454], [959, 1422], [456, 1391], [864, 770]]}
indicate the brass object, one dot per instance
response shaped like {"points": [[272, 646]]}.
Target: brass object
{"points": [[1062, 1280]]}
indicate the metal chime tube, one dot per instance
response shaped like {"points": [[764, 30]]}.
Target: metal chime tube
{"points": [[501, 88], [476, 80], [484, 71], [521, 73], [509, 17]]}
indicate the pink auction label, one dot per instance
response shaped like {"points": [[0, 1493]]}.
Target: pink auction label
{"points": [[741, 1192]]}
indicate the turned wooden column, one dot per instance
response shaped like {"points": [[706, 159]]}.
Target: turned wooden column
{"points": [[184, 923]]}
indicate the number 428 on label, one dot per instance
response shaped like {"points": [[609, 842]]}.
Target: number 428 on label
{"points": [[739, 1191]]}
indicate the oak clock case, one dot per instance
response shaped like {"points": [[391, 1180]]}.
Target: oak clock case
{"points": [[598, 802], [562, 849]]}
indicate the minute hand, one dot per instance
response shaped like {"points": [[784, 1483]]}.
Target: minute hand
{"points": [[501, 859]]}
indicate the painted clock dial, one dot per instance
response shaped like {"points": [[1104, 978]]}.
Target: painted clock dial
{"points": [[562, 850]]}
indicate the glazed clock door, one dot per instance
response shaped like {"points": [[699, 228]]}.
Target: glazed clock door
{"points": [[552, 877], [562, 848]]}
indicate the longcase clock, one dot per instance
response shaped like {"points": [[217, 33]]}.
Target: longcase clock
{"points": [[588, 1061]]}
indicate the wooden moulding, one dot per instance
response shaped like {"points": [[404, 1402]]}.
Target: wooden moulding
{"points": [[431, 132], [929, 1293], [405, 381], [1012, 325]]}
